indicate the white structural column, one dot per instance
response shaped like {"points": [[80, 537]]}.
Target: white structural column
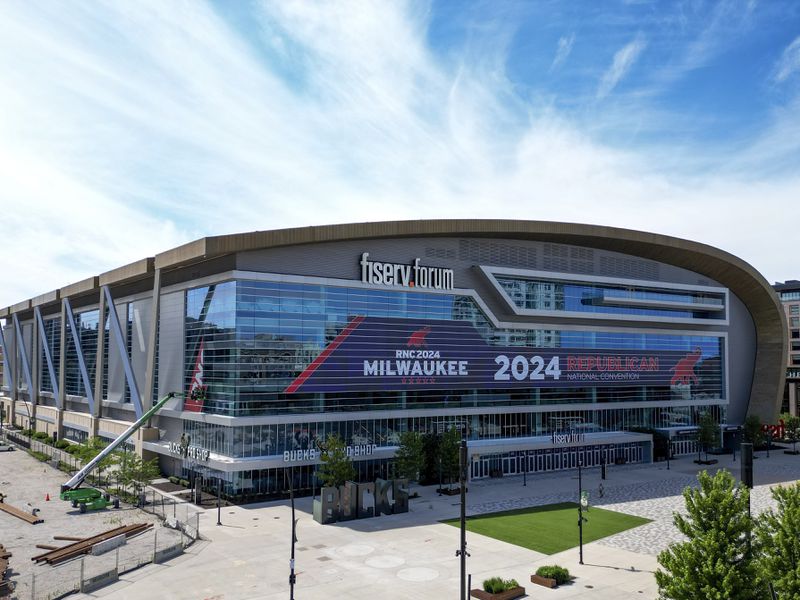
{"points": [[36, 368], [76, 342], [116, 331], [23, 354], [100, 362], [152, 343], [7, 372], [792, 397], [62, 364], [21, 358], [48, 356]]}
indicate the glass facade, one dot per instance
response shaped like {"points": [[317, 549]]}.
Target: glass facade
{"points": [[86, 324], [257, 337], [552, 295], [274, 439], [250, 341], [52, 329]]}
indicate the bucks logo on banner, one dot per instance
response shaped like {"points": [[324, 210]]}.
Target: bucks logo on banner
{"points": [[197, 391]]}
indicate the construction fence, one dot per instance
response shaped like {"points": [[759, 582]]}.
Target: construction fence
{"points": [[181, 520], [89, 573]]}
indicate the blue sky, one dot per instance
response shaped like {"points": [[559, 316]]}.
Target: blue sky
{"points": [[129, 128]]}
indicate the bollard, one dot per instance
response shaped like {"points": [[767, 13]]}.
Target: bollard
{"points": [[155, 544]]}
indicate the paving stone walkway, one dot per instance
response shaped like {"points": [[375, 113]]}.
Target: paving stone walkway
{"points": [[655, 500]]}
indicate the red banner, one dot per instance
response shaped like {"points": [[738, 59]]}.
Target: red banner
{"points": [[197, 391]]}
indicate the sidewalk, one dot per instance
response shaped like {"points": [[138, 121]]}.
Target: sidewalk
{"points": [[413, 556]]}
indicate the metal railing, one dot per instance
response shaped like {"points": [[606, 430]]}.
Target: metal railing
{"points": [[88, 573], [182, 528]]}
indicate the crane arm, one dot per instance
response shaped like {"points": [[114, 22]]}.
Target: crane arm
{"points": [[78, 478]]}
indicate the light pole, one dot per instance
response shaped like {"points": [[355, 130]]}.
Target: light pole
{"points": [[669, 451], [462, 551], [219, 494], [580, 510], [294, 537], [525, 469]]}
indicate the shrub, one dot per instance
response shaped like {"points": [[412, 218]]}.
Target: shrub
{"points": [[496, 585], [173, 479], [27, 432], [69, 448], [493, 585], [62, 444], [183, 482], [62, 466], [560, 574], [41, 435], [39, 455]]}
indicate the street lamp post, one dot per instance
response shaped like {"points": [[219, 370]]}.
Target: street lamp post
{"points": [[219, 504], [525, 469], [669, 451], [580, 512], [294, 538], [462, 551]]}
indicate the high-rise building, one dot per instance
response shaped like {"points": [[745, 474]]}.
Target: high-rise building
{"points": [[789, 292]]}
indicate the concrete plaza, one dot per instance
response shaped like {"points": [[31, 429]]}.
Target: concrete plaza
{"points": [[413, 555]]}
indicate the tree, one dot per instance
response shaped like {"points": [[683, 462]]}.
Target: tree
{"points": [[792, 426], [430, 451], [138, 473], [752, 431], [88, 451], [716, 562], [707, 434], [409, 459], [337, 467], [779, 535], [449, 454]]}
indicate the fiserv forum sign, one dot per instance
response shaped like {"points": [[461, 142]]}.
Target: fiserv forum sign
{"points": [[413, 275]]}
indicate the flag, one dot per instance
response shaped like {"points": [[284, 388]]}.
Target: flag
{"points": [[197, 391]]}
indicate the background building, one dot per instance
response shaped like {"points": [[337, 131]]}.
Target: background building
{"points": [[543, 342], [789, 293]]}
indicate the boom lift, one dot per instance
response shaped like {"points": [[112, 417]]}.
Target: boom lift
{"points": [[91, 498]]}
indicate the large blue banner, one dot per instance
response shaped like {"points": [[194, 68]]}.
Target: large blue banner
{"points": [[373, 354]]}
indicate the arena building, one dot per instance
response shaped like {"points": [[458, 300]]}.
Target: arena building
{"points": [[542, 342]]}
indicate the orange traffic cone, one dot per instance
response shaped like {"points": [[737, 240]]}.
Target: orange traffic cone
{"points": [[47, 497]]}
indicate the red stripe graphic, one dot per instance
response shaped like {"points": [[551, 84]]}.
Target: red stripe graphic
{"points": [[323, 355]]}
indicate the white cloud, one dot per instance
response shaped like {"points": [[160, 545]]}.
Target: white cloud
{"points": [[127, 129], [789, 62], [623, 61], [562, 50]]}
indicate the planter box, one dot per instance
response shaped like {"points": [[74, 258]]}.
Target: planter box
{"points": [[793, 452], [507, 595], [450, 492], [712, 461], [544, 581]]}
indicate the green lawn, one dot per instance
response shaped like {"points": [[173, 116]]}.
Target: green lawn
{"points": [[549, 529]]}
